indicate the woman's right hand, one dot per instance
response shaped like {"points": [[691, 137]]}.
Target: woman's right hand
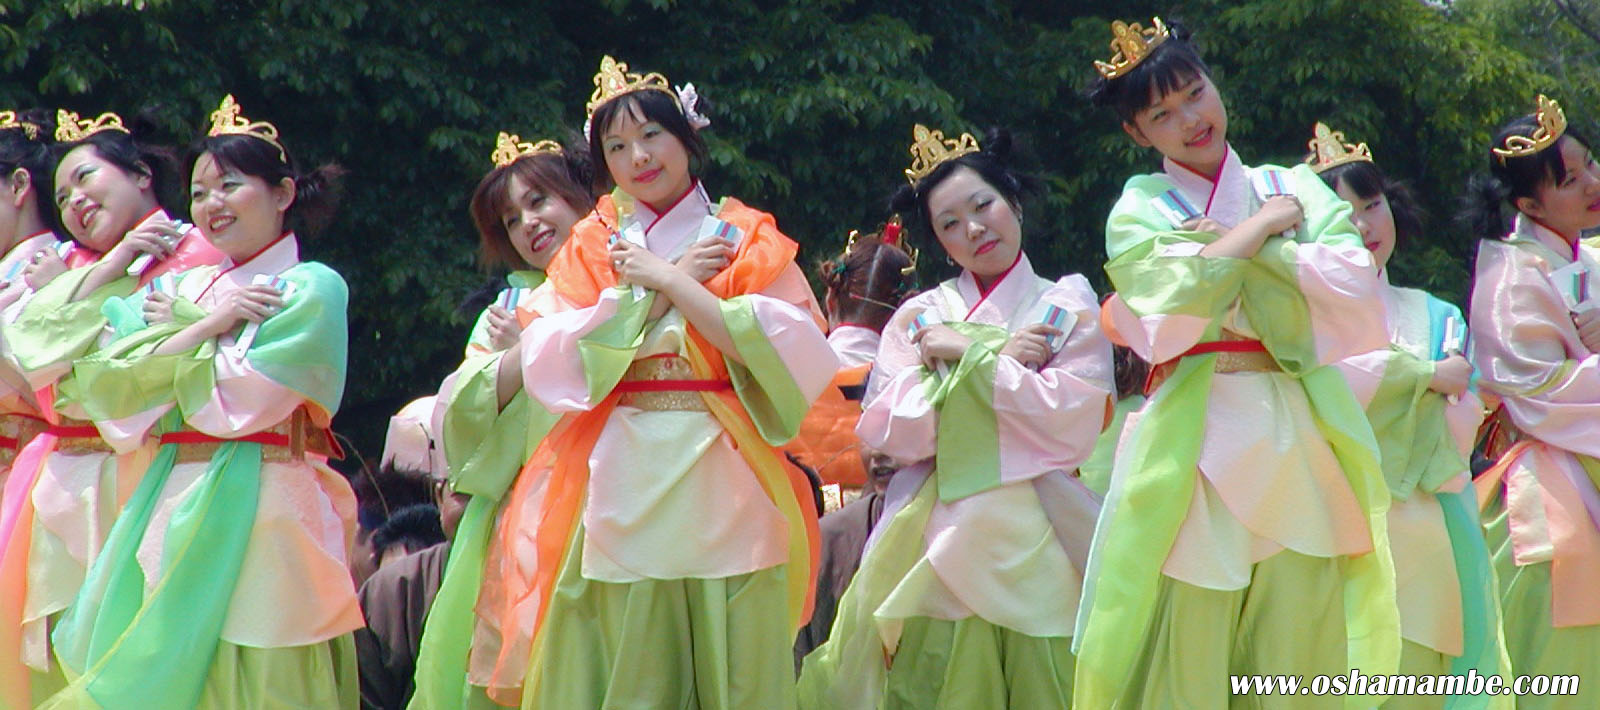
{"points": [[1451, 376], [157, 308], [158, 238], [251, 304], [504, 329], [43, 268]]}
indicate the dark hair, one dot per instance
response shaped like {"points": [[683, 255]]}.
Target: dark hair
{"points": [[1511, 178], [1165, 69], [316, 193], [566, 175], [414, 527], [1129, 371], [19, 149], [132, 154], [992, 163], [868, 283], [1367, 181], [379, 496], [653, 105]]}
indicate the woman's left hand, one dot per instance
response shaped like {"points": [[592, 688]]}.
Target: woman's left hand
{"points": [[157, 308], [940, 343], [1031, 345], [638, 266]]}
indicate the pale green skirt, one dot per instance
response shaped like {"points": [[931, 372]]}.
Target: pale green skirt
{"points": [[1536, 647], [673, 644], [320, 676], [1290, 620], [971, 663]]}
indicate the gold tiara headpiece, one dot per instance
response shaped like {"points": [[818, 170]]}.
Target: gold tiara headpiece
{"points": [[929, 149], [226, 121], [614, 80], [890, 235], [70, 128], [508, 148], [8, 119], [1130, 44], [1329, 150], [1552, 123]]}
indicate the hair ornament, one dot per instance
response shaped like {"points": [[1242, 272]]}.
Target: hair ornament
{"points": [[1130, 44], [615, 80], [1552, 124], [930, 149], [1328, 149], [8, 119], [70, 128], [226, 121], [509, 148]]}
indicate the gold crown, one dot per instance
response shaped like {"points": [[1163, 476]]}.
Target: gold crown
{"points": [[889, 234], [1552, 123], [226, 121], [1130, 44], [930, 148], [1328, 149], [614, 80], [69, 128], [8, 119], [507, 149]]}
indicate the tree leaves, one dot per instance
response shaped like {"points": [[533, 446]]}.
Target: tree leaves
{"points": [[811, 101]]}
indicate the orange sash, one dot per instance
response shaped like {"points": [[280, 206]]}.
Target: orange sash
{"points": [[580, 272]]}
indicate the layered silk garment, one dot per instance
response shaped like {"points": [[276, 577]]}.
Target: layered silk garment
{"points": [[675, 493], [1540, 503], [230, 557], [66, 486], [1226, 465], [987, 524], [1449, 606]]}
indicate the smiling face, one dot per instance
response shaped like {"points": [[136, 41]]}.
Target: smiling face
{"points": [[975, 224], [238, 213], [1375, 220], [99, 201], [1188, 125], [536, 221], [1570, 204], [645, 160]]}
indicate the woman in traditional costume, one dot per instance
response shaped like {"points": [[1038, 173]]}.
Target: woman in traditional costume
{"points": [[989, 390], [66, 486], [1535, 335], [1243, 531], [25, 231], [862, 287], [524, 210], [655, 550], [224, 582], [1425, 415]]}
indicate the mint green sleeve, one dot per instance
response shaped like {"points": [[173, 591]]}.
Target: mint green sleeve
{"points": [[486, 446], [54, 327], [1155, 269]]}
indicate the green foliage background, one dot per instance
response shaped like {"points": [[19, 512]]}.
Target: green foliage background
{"points": [[811, 100]]}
